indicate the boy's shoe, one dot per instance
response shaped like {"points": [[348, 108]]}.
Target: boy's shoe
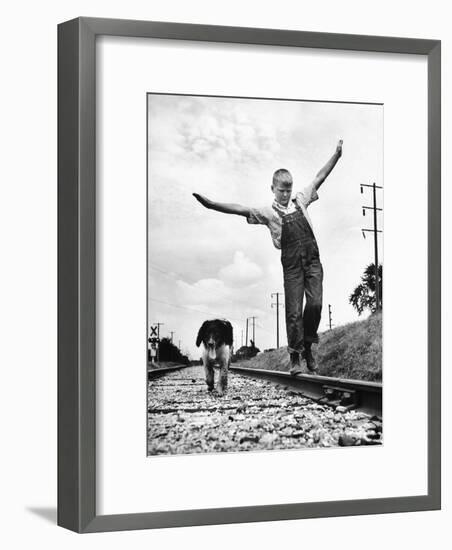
{"points": [[298, 364], [310, 360]]}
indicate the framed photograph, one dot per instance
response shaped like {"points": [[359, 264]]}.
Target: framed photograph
{"points": [[211, 370]]}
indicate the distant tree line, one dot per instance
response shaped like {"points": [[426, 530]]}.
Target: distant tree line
{"points": [[169, 352], [246, 352]]}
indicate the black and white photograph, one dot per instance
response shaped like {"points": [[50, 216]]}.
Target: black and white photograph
{"points": [[264, 274]]}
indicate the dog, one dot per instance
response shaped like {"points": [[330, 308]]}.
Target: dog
{"points": [[217, 338]]}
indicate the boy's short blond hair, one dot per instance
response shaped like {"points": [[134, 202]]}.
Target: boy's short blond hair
{"points": [[282, 176]]}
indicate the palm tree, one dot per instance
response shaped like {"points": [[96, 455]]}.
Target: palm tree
{"points": [[363, 297]]}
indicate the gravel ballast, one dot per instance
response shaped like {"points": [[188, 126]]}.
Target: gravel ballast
{"points": [[254, 415]]}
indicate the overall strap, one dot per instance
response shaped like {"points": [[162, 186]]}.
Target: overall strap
{"points": [[281, 215]]}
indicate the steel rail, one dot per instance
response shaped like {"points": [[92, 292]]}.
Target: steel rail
{"points": [[351, 394], [155, 373]]}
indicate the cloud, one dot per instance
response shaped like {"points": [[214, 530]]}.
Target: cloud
{"points": [[236, 289], [214, 129], [242, 271], [204, 291]]}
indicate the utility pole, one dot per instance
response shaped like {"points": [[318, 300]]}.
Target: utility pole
{"points": [[254, 335], [242, 339], [329, 315], [246, 338], [375, 231], [172, 332], [179, 345], [278, 305]]}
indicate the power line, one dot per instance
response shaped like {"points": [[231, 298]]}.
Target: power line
{"points": [[191, 309], [161, 270], [174, 274], [210, 313], [217, 294]]}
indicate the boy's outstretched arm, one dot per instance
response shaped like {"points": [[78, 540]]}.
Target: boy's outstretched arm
{"points": [[223, 207], [324, 172]]}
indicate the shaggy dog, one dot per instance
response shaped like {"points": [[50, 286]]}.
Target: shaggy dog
{"points": [[216, 336]]}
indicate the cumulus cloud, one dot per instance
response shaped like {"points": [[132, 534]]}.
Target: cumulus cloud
{"points": [[241, 272], [236, 289], [204, 291], [225, 133]]}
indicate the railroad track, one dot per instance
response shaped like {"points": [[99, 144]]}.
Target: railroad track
{"points": [[161, 371], [339, 392], [262, 410]]}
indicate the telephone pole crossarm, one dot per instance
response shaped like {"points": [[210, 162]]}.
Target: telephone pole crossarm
{"points": [[372, 186]]}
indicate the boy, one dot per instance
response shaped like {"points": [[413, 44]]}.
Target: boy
{"points": [[291, 231]]}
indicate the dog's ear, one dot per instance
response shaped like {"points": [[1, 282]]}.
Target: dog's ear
{"points": [[228, 336], [200, 334]]}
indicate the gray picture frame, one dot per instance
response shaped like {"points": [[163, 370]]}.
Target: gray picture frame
{"points": [[77, 274]]}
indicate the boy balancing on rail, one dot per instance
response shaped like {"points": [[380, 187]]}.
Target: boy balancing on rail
{"points": [[291, 231]]}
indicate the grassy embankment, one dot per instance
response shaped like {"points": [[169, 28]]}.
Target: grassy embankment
{"points": [[349, 351]]}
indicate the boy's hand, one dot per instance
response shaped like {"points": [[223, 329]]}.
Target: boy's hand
{"points": [[325, 171], [203, 200]]}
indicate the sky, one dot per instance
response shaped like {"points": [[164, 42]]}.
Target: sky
{"points": [[204, 264]]}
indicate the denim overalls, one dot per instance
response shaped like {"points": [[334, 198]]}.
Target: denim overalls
{"points": [[303, 274]]}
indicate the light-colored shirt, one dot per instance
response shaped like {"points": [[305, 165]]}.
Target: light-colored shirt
{"points": [[267, 215]]}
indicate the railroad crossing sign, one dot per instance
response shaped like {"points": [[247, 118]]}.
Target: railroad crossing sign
{"points": [[154, 339]]}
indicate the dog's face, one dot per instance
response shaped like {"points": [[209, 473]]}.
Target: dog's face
{"points": [[214, 334]]}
